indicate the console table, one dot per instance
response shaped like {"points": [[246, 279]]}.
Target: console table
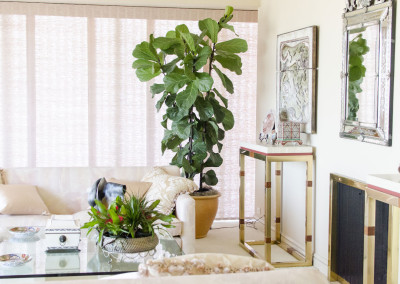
{"points": [[277, 154]]}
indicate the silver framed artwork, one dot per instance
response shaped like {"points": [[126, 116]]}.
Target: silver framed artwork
{"points": [[297, 75]]}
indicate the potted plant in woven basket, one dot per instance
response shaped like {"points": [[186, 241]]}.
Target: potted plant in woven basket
{"points": [[196, 112], [128, 225]]}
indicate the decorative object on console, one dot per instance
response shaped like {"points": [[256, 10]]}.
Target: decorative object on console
{"points": [[197, 114], [62, 233], [367, 71], [19, 199], [127, 225], [268, 128], [288, 131], [296, 78]]}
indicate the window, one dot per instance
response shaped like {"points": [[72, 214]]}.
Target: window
{"points": [[69, 97]]}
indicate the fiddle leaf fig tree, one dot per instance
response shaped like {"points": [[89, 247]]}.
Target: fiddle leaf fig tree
{"points": [[197, 113]]}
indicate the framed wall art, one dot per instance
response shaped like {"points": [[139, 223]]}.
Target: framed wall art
{"points": [[297, 75]]}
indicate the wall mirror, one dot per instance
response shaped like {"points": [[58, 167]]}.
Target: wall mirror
{"points": [[367, 76]]}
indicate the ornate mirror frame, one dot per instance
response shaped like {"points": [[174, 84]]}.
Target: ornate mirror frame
{"points": [[373, 19]]}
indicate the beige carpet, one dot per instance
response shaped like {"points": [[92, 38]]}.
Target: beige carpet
{"points": [[224, 238]]}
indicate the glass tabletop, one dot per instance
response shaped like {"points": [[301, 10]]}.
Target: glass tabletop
{"points": [[90, 260]]}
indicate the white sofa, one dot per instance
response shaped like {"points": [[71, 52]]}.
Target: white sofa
{"points": [[64, 191]]}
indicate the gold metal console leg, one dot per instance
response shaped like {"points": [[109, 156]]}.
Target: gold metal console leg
{"points": [[369, 241], [278, 197], [241, 200], [268, 210], [309, 212], [393, 245]]}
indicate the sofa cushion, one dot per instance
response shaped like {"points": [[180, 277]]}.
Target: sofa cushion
{"points": [[166, 188], [203, 263], [135, 188], [21, 199]]}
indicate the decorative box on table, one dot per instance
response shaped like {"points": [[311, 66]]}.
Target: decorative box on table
{"points": [[62, 233], [288, 131]]}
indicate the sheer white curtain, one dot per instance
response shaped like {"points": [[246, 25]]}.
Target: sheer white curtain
{"points": [[69, 97]]}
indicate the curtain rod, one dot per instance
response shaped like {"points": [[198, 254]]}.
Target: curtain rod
{"points": [[128, 6]]}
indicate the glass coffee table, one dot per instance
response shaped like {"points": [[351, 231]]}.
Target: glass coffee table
{"points": [[90, 260]]}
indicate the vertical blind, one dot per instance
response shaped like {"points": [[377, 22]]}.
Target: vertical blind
{"points": [[69, 97]]}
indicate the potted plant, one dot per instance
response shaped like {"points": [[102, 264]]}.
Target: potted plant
{"points": [[127, 225], [196, 112]]}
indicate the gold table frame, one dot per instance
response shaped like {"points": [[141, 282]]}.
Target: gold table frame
{"points": [[278, 155]]}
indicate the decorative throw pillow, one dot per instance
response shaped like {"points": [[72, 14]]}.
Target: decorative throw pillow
{"points": [[167, 188], [202, 263], [135, 188], [16, 199]]}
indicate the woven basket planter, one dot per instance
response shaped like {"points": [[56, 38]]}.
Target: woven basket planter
{"points": [[129, 245]]}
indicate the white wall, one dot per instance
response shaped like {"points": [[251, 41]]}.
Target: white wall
{"points": [[332, 154]]}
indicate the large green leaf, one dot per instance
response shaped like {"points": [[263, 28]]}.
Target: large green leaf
{"points": [[142, 63], [161, 101], [226, 82], [179, 29], [223, 99], [164, 122], [170, 100], [200, 150], [186, 166], [218, 110], [228, 27], [146, 74], [214, 160], [164, 43], [187, 37], [186, 98], [205, 81], [228, 11], [142, 51], [181, 128], [169, 67], [219, 147], [212, 132], [211, 27], [221, 134], [230, 61], [156, 89], [235, 45], [175, 113], [202, 57], [182, 152], [204, 108], [228, 121], [171, 140], [173, 82], [210, 178]]}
